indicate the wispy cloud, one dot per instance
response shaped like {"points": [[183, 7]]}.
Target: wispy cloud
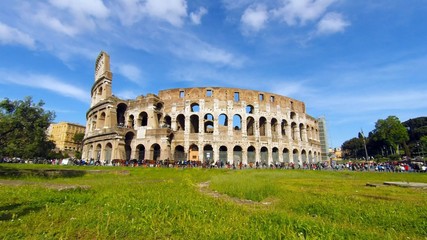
{"points": [[131, 72], [254, 18], [10, 35], [332, 23], [196, 17], [46, 82]]}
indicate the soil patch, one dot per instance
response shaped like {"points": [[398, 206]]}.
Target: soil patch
{"points": [[59, 187], [204, 188]]}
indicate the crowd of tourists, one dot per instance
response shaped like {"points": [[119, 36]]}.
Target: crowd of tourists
{"points": [[391, 166]]}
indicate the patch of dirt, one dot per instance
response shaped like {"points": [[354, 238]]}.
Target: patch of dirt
{"points": [[59, 187], [204, 188]]}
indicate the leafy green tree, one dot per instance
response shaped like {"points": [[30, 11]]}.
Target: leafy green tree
{"points": [[391, 131], [78, 139], [23, 127], [353, 148]]}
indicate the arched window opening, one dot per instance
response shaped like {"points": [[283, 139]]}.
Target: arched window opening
{"points": [[274, 125], [251, 155], [121, 110], [180, 121], [194, 152], [141, 152], [301, 132], [208, 154], [262, 126], [237, 122], [223, 154], [101, 120], [275, 155], [286, 158], [179, 154], [284, 125], [155, 148], [131, 121], [293, 131], [264, 156], [223, 120], [107, 154], [295, 157], [237, 155], [194, 124], [195, 107], [304, 156], [249, 109], [209, 123], [167, 122], [128, 143], [143, 119], [250, 126], [293, 115], [98, 152]]}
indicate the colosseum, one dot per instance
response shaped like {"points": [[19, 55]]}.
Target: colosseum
{"points": [[204, 125]]}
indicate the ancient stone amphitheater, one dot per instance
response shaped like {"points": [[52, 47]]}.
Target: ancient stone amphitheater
{"points": [[202, 125]]}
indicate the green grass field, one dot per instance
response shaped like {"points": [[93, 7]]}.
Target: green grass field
{"points": [[163, 203]]}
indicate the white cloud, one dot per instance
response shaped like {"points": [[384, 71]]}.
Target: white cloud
{"points": [[254, 18], [332, 23], [131, 72], [95, 8], [10, 35], [45, 82], [299, 12], [55, 24], [196, 17], [172, 11], [127, 94]]}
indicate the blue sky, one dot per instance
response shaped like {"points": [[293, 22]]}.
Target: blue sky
{"points": [[353, 62]]}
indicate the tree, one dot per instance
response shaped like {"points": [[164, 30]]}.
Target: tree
{"points": [[78, 139], [392, 132], [23, 126], [353, 148]]}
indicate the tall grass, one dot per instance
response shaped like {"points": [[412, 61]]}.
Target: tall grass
{"points": [[152, 203]]}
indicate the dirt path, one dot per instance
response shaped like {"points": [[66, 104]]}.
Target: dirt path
{"points": [[204, 188], [59, 187]]}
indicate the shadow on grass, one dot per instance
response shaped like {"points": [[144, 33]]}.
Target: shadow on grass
{"points": [[16, 210], [41, 173]]}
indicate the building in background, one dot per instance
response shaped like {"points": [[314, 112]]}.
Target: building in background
{"points": [[62, 134], [204, 124]]}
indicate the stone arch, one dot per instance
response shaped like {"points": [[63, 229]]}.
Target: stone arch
{"points": [[237, 154], [286, 157], [301, 131], [140, 149], [195, 107], [121, 110], [223, 122], [295, 157], [128, 144], [194, 123], [156, 151], [208, 153], [237, 122], [193, 152], [284, 125], [275, 155], [249, 109], [131, 121], [251, 154], [304, 156], [262, 126], [208, 123], [179, 153], [274, 124], [223, 154], [180, 122], [101, 120], [108, 153], [167, 122], [294, 131], [98, 150], [293, 115], [264, 156], [250, 126], [143, 119]]}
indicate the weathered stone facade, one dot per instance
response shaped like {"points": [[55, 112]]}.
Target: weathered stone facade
{"points": [[208, 124]]}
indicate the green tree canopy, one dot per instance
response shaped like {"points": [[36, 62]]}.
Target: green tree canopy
{"points": [[391, 131], [23, 126]]}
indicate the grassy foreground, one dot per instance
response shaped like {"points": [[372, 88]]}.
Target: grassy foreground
{"points": [[156, 203]]}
